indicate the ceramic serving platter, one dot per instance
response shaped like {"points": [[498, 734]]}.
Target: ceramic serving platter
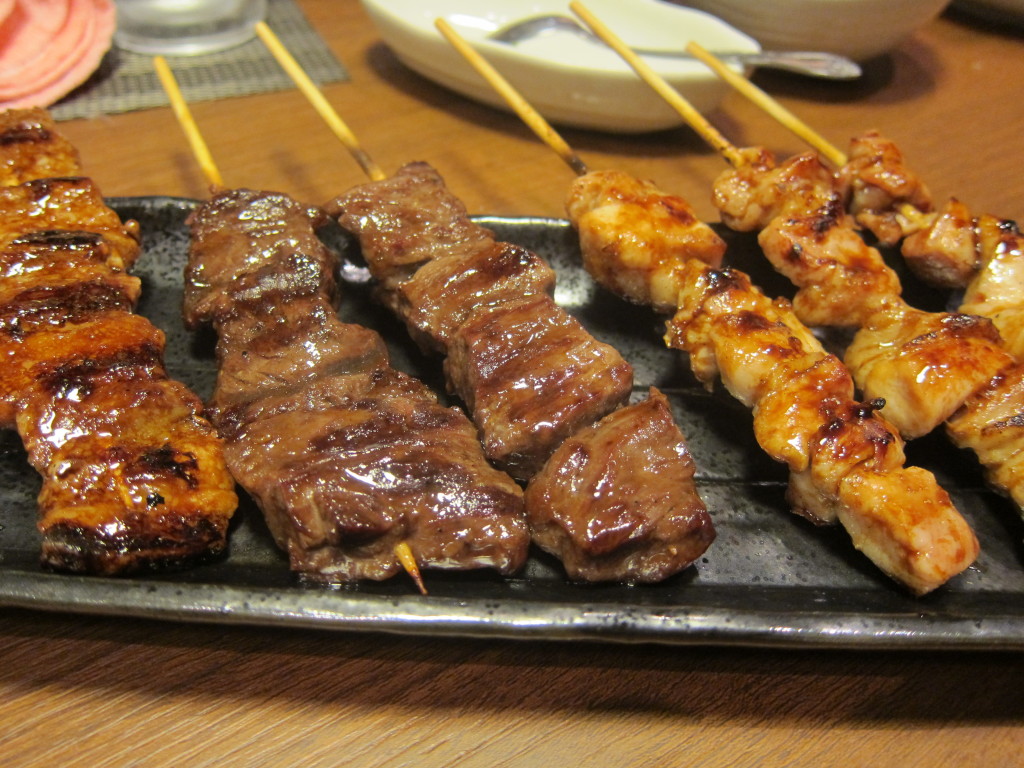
{"points": [[770, 579]]}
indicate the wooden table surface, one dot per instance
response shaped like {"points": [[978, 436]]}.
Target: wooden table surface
{"points": [[110, 691]]}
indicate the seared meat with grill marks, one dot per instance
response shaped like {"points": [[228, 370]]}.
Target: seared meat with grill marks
{"points": [[346, 456], [536, 382], [529, 373], [133, 476], [69, 205], [532, 376], [647, 528]]}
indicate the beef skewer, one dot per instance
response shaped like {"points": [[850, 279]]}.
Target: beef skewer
{"points": [[610, 486], [133, 475], [846, 462], [357, 468], [937, 358]]}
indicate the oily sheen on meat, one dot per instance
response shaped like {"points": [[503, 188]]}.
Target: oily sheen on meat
{"points": [[547, 396], [346, 456]]}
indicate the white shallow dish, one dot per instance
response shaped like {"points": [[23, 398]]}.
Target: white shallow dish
{"points": [[859, 29], [569, 80]]}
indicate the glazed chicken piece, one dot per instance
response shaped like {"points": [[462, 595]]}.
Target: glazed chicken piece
{"points": [[758, 189], [991, 423], [846, 462], [945, 253], [881, 191], [346, 456], [31, 147], [841, 281], [616, 215], [535, 380], [133, 475], [997, 290], [924, 365]]}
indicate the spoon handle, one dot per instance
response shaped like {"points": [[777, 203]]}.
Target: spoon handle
{"points": [[814, 63]]}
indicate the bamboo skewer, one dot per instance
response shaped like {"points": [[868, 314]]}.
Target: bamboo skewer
{"points": [[790, 121], [188, 125], [693, 118], [770, 105], [526, 112], [403, 552], [323, 108], [519, 105]]}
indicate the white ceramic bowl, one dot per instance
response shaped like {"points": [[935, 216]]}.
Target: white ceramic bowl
{"points": [[860, 29], [568, 80]]}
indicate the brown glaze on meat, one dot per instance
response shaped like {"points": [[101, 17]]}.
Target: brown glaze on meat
{"points": [[535, 380], [997, 290], [845, 461], [644, 532], [31, 147], [758, 189], [70, 205], [133, 476], [841, 281], [632, 236], [991, 423], [345, 456], [924, 365], [879, 186], [528, 372], [532, 376]]}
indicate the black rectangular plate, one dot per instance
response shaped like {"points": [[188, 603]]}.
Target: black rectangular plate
{"points": [[770, 578]]}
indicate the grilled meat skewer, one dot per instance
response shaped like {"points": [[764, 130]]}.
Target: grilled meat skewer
{"points": [[548, 397], [846, 461], [133, 475], [345, 455]]}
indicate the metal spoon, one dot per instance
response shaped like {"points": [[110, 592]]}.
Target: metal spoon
{"points": [[813, 63]]}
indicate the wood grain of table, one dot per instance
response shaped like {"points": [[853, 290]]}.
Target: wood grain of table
{"points": [[94, 690]]}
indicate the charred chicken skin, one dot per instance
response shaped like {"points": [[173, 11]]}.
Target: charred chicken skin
{"points": [[133, 476]]}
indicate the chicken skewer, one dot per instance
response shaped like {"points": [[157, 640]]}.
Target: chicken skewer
{"points": [[947, 366], [948, 248], [133, 475], [846, 462], [356, 466], [610, 486]]}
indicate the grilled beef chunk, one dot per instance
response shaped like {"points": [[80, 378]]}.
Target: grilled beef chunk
{"points": [[646, 530], [346, 456]]}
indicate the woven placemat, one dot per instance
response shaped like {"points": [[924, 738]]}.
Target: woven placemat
{"points": [[125, 81]]}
